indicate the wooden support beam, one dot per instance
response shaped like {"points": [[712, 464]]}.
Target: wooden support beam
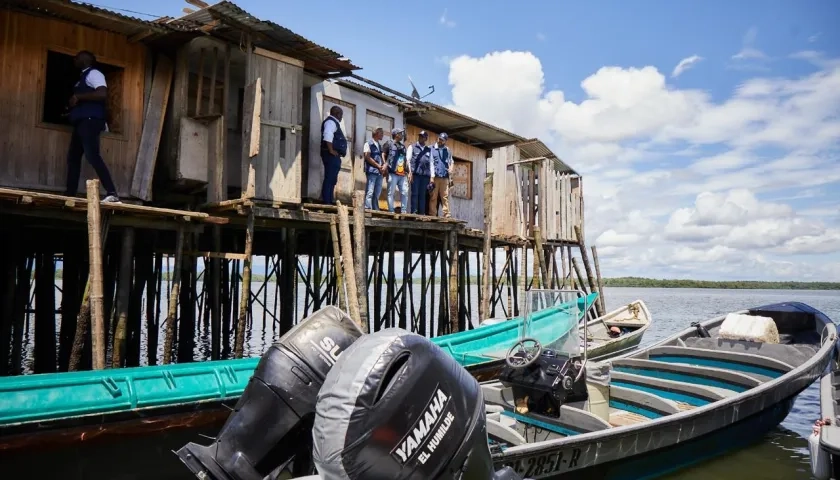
{"points": [[453, 282], [245, 299], [172, 312], [539, 258], [339, 278], [45, 344], [599, 279], [144, 168], [349, 269], [96, 295], [361, 256], [123, 292], [590, 277], [488, 252], [199, 93]]}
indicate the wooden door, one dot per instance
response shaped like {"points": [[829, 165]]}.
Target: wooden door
{"points": [[274, 173], [344, 186]]}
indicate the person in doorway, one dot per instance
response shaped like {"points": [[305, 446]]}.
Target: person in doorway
{"points": [[421, 170], [375, 168], [441, 171], [333, 147], [87, 115], [399, 170]]}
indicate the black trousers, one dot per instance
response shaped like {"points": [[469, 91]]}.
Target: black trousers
{"points": [[85, 141]]}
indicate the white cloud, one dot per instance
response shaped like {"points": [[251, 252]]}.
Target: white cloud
{"points": [[685, 64], [750, 57], [813, 38], [445, 20], [677, 180]]}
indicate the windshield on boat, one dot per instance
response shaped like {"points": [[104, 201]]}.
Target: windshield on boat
{"points": [[552, 318]]}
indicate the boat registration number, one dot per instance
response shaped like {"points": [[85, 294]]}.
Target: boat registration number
{"points": [[545, 464]]}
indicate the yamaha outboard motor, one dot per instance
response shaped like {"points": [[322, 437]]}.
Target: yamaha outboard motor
{"points": [[272, 421], [397, 407]]}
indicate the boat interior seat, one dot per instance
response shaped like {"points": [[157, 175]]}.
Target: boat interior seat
{"points": [[506, 433], [793, 355]]}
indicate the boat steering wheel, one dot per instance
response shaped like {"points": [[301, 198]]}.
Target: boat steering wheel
{"points": [[531, 353]]}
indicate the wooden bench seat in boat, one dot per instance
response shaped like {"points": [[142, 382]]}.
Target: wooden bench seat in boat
{"points": [[681, 372], [641, 402], [679, 392]]}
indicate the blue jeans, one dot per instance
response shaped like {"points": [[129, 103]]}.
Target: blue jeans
{"points": [[400, 183], [373, 190], [419, 184], [332, 165]]}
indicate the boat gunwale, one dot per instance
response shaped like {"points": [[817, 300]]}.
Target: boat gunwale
{"points": [[618, 433]]}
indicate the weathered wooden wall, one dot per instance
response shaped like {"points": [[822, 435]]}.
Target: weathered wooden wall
{"points": [[469, 209], [34, 153], [356, 106], [507, 199]]}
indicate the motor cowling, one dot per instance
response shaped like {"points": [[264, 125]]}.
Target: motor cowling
{"points": [[271, 423], [397, 407]]}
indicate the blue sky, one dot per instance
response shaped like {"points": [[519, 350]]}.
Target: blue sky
{"points": [[725, 167]]}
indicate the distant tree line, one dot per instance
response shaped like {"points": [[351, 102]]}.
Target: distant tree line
{"points": [[640, 282]]}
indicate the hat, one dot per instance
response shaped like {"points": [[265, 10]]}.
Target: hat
{"points": [[443, 136], [423, 133], [395, 131]]}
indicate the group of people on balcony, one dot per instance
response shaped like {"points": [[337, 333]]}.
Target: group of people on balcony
{"points": [[418, 172]]}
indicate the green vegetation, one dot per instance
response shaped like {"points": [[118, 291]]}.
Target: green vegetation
{"points": [[640, 282]]}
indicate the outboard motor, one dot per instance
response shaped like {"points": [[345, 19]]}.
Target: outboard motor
{"points": [[271, 423], [397, 407]]}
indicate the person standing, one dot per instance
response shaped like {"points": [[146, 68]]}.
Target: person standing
{"points": [[333, 147], [87, 115], [421, 170], [375, 168], [399, 170], [441, 171]]}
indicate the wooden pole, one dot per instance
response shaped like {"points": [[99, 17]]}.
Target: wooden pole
{"points": [[590, 277], [45, 359], [360, 256], [169, 337], [600, 280], [453, 282], [563, 264], [488, 251], [126, 260], [349, 270], [245, 298], [539, 257], [578, 274], [339, 283], [215, 297], [96, 295]]}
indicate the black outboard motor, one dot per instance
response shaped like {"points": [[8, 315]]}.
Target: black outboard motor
{"points": [[397, 407], [272, 421]]}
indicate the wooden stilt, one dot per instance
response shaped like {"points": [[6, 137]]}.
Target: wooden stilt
{"points": [[96, 296], [339, 277], [600, 280], [485, 266], [349, 268], [245, 299], [125, 272], [45, 314], [215, 297], [590, 277], [360, 259], [169, 337], [152, 310], [453, 282]]}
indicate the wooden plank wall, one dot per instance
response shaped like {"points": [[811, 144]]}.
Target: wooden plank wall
{"points": [[471, 210], [34, 154], [278, 164], [507, 203]]}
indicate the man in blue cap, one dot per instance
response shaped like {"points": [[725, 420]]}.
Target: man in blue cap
{"points": [[421, 171], [441, 171], [399, 169], [375, 168]]}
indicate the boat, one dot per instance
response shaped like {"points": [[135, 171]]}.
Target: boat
{"points": [[714, 386], [394, 406], [824, 443], [45, 409]]}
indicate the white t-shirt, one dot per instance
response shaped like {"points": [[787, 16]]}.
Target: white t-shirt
{"points": [[329, 129], [95, 79], [366, 148]]}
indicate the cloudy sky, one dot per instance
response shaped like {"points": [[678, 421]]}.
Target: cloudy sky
{"points": [[708, 133]]}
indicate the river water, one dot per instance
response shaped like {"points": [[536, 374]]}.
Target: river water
{"points": [[781, 455]]}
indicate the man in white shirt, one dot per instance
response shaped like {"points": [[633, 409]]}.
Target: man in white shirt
{"points": [[375, 168], [87, 115], [333, 147]]}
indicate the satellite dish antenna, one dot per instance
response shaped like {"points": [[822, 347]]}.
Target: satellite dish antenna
{"points": [[415, 93]]}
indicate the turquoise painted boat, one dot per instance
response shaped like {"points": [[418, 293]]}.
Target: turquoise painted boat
{"points": [[157, 397]]}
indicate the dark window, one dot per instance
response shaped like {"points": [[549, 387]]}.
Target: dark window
{"points": [[62, 75]]}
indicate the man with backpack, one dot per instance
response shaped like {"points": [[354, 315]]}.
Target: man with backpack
{"points": [[399, 170]]}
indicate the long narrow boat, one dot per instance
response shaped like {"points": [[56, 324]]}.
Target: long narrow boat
{"points": [[710, 388], [825, 442], [40, 410]]}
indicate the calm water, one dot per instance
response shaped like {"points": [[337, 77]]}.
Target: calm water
{"points": [[783, 453]]}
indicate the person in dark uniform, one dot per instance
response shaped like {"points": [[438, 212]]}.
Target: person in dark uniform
{"points": [[333, 147], [87, 116]]}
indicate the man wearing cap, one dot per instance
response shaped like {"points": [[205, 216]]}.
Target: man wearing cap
{"points": [[421, 171], [375, 167], [399, 170], [440, 172], [333, 147]]}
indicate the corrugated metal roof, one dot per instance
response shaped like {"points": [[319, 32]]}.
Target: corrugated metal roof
{"points": [[228, 19], [87, 15], [535, 148]]}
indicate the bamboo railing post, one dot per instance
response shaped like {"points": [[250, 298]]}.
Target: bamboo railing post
{"points": [[585, 258], [349, 270], [485, 265], [173, 297], [245, 298], [126, 261], [360, 261], [96, 295], [339, 278], [600, 280]]}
